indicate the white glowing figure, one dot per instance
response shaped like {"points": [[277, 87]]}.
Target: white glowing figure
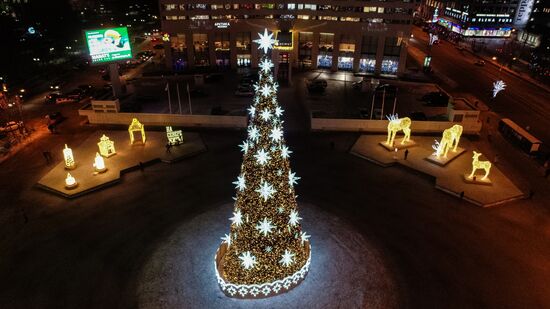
{"points": [[278, 111], [252, 111], [244, 147], [476, 164], [265, 114], [99, 163], [285, 152], [294, 218], [304, 237], [106, 146], [266, 190], [253, 134], [265, 227], [262, 157], [237, 218], [287, 258], [69, 158], [70, 181], [498, 86], [276, 134], [174, 137], [248, 260], [265, 41], [227, 239], [240, 183], [266, 65], [292, 179], [266, 90], [450, 139], [136, 126], [397, 124]]}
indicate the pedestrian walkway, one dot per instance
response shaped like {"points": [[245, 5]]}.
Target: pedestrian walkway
{"points": [[448, 178]]}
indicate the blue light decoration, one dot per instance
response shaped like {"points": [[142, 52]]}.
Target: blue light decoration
{"points": [[31, 30]]}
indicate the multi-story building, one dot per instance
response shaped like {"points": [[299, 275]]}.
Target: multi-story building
{"points": [[537, 32], [480, 18], [361, 36]]}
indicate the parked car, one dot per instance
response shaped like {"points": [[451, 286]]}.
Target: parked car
{"points": [[55, 87], [436, 98], [50, 98], [316, 85], [244, 91], [65, 99], [479, 63], [75, 94]]}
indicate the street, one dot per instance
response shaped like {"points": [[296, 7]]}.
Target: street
{"points": [[524, 103]]}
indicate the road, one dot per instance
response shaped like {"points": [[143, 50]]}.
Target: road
{"points": [[521, 101]]}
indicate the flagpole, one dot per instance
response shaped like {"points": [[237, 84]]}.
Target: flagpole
{"points": [[169, 101], [189, 97], [178, 91]]}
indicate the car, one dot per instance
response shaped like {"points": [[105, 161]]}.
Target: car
{"points": [[317, 82], [436, 98], [50, 98], [75, 94], [244, 91], [479, 63], [197, 93], [55, 86], [64, 99]]}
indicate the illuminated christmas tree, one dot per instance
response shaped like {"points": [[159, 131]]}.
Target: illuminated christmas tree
{"points": [[266, 252]]}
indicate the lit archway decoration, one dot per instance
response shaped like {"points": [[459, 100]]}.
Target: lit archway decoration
{"points": [[136, 126]]}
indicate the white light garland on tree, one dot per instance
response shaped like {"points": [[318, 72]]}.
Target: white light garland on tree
{"points": [[294, 219], [265, 41], [266, 115], [253, 134], [292, 179], [237, 218], [266, 65], [276, 134], [244, 147], [252, 111], [265, 90], [227, 239], [278, 111], [285, 152]]}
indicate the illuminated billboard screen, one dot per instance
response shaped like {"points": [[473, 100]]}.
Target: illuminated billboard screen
{"points": [[109, 44]]}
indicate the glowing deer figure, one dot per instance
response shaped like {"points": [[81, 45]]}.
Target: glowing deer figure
{"points": [[397, 124], [476, 164], [450, 139]]}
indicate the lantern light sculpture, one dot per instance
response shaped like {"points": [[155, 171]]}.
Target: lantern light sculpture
{"points": [[70, 182], [476, 164], [398, 124], [174, 137], [136, 126], [99, 164], [69, 158], [106, 146]]}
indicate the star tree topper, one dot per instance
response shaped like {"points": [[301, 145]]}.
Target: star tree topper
{"points": [[265, 41]]}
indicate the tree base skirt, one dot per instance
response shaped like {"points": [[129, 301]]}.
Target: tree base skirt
{"points": [[264, 290]]}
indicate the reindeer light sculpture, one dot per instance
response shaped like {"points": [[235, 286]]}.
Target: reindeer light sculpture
{"points": [[398, 124], [450, 139], [476, 164]]}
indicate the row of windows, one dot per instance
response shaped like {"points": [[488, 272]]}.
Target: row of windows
{"points": [[289, 6], [289, 16]]}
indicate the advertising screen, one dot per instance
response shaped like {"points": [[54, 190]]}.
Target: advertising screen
{"points": [[109, 44]]}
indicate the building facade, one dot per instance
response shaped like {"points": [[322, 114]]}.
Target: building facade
{"points": [[480, 18], [359, 36]]}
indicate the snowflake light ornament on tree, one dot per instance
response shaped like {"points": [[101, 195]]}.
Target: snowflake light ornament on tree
{"points": [[498, 86], [266, 251]]}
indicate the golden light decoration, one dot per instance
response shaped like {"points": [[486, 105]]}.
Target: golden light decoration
{"points": [[70, 182], [476, 164], [174, 137], [266, 251], [106, 146], [99, 163], [68, 158], [397, 124], [450, 139], [136, 126]]}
